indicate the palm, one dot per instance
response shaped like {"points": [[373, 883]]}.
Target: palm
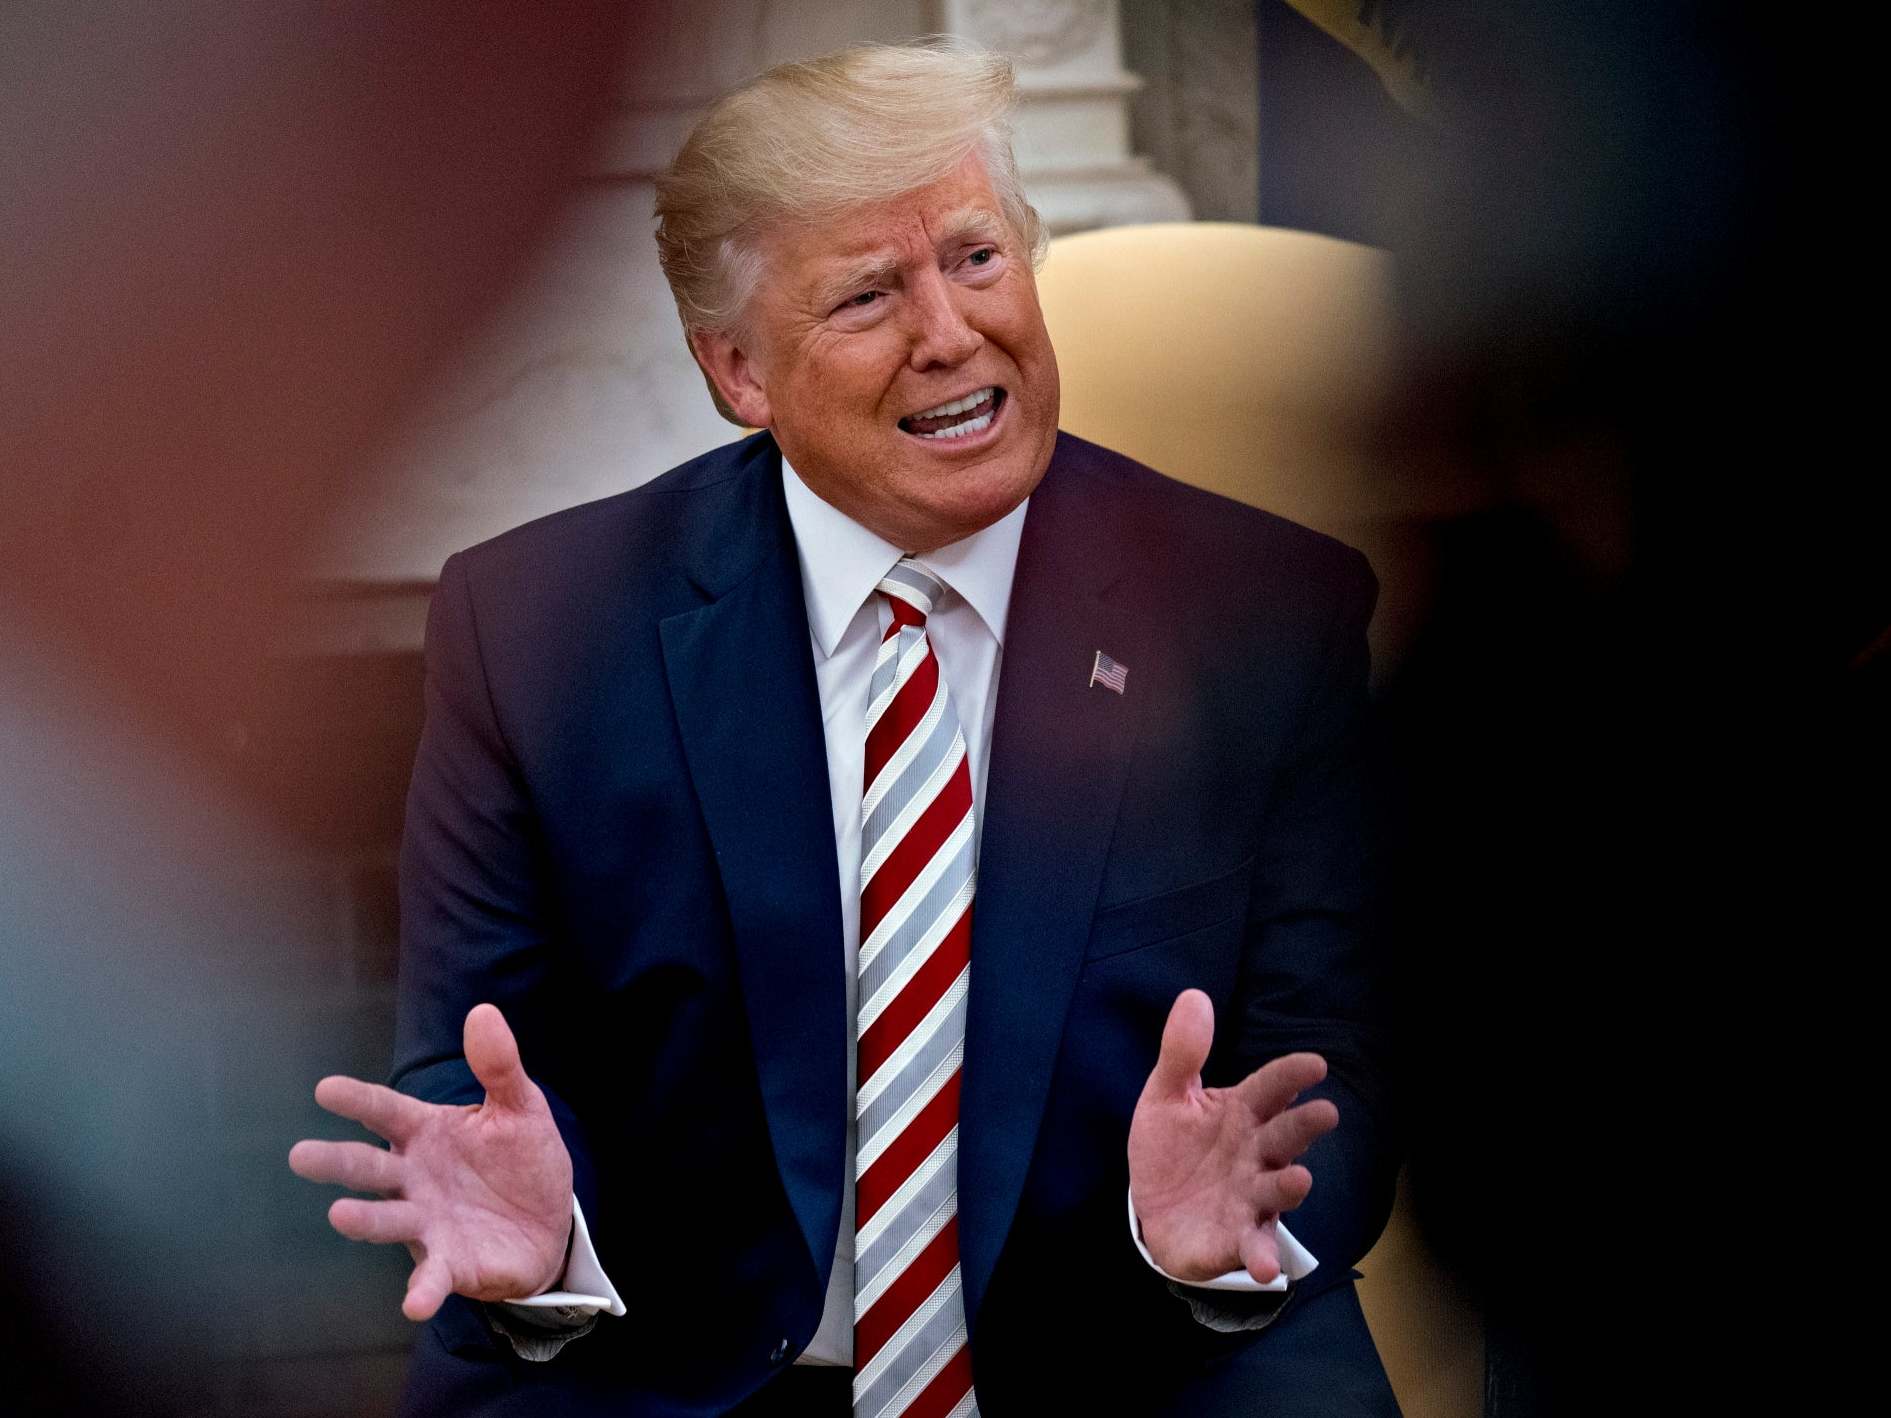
{"points": [[495, 1185], [480, 1195], [1211, 1169], [1191, 1176]]}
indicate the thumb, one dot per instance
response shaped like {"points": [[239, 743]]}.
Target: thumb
{"points": [[427, 1287], [494, 1056], [1185, 1041], [1260, 1252]]}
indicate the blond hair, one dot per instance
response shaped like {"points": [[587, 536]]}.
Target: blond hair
{"points": [[806, 140]]}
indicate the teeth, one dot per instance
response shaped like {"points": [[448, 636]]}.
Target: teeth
{"points": [[957, 406], [959, 430]]}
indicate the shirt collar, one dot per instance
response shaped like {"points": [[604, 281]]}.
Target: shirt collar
{"points": [[841, 563]]}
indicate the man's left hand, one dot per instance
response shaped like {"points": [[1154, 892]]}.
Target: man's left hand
{"points": [[1211, 1169]]}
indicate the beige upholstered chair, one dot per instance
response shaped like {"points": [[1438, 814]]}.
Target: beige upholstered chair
{"points": [[1250, 360]]}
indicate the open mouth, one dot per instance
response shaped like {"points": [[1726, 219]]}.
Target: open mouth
{"points": [[957, 418]]}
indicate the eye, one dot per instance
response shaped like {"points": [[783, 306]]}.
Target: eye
{"points": [[984, 256], [862, 301]]}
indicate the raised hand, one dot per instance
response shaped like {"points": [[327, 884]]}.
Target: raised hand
{"points": [[481, 1195], [1211, 1169]]}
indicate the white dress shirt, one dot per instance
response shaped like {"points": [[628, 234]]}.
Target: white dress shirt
{"points": [[841, 564]]}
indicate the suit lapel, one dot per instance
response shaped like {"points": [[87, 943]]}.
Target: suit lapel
{"points": [[741, 679], [1060, 752]]}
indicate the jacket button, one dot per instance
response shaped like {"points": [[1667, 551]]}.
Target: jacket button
{"points": [[780, 1352]]}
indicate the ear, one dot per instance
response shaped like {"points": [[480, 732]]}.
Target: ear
{"points": [[732, 376]]}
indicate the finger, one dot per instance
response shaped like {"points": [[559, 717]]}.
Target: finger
{"points": [[394, 1116], [379, 1221], [1260, 1252], [1272, 1086], [1185, 1042], [1280, 1191], [352, 1164], [1287, 1135], [494, 1056], [427, 1289]]}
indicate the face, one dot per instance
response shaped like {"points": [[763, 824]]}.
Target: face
{"points": [[899, 357]]}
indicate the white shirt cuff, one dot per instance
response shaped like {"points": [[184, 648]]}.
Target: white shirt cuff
{"points": [[1296, 1262], [584, 1289]]}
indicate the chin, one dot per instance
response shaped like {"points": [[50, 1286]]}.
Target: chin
{"points": [[979, 504]]}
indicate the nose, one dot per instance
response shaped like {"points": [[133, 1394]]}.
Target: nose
{"points": [[942, 338]]}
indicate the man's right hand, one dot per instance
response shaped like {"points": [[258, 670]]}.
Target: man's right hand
{"points": [[481, 1195]]}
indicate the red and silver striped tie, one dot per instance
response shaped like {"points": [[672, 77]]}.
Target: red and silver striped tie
{"points": [[916, 880]]}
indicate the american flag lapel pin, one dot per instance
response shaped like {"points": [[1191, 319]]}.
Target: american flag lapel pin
{"points": [[1108, 673]]}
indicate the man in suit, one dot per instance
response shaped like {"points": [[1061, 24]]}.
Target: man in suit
{"points": [[858, 832]]}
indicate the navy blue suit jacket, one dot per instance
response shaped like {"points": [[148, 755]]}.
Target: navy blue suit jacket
{"points": [[619, 832]]}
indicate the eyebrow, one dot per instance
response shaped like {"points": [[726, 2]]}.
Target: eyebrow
{"points": [[971, 221], [880, 269], [871, 272]]}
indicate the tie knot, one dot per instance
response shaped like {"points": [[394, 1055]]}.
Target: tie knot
{"points": [[911, 590]]}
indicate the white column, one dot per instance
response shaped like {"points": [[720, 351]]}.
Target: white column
{"points": [[1073, 118]]}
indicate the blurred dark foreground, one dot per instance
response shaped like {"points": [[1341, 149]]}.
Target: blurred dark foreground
{"points": [[1635, 760], [233, 242]]}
